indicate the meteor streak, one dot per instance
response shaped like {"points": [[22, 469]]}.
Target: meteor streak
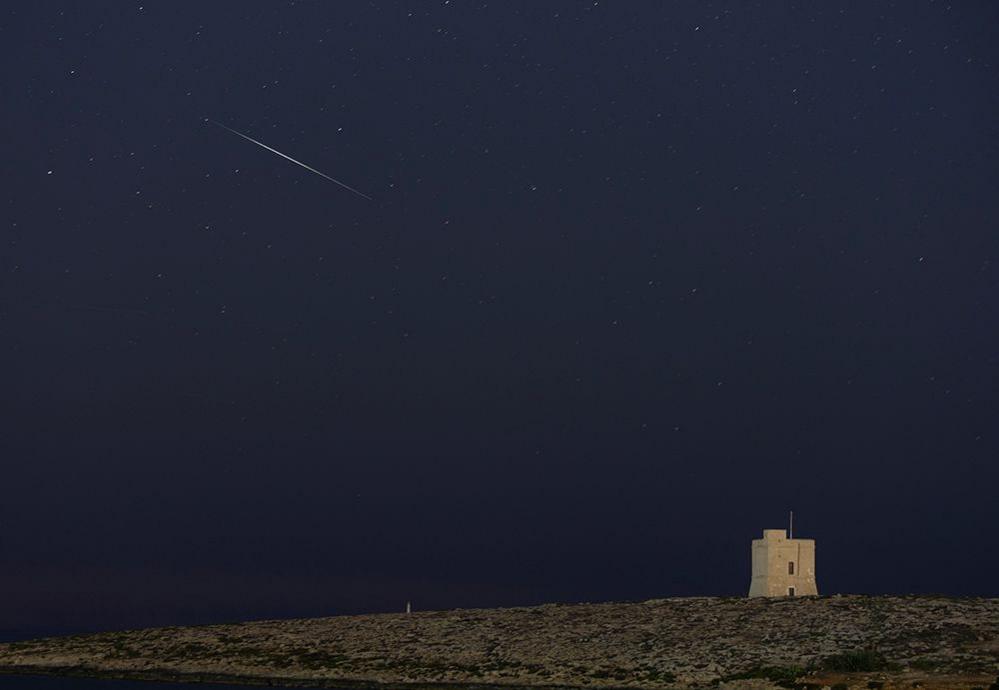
{"points": [[240, 134]]}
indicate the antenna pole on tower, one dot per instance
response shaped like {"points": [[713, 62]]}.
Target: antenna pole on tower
{"points": [[790, 531]]}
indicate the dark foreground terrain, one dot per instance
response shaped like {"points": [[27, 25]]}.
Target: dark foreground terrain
{"points": [[835, 642]]}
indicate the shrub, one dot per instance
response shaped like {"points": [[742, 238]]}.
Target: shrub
{"points": [[784, 676], [924, 664], [862, 660]]}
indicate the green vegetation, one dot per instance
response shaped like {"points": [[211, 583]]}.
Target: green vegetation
{"points": [[647, 674], [924, 664], [29, 645], [859, 661], [120, 650], [653, 675], [315, 659], [784, 676], [189, 650]]}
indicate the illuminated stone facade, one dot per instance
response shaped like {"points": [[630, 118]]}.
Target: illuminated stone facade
{"points": [[783, 567]]}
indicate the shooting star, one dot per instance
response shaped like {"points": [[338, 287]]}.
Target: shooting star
{"points": [[218, 124]]}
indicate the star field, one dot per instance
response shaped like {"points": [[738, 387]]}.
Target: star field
{"points": [[635, 281]]}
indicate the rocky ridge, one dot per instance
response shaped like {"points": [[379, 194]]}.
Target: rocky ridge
{"points": [[838, 641]]}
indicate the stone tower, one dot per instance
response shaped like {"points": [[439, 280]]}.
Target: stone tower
{"points": [[783, 567]]}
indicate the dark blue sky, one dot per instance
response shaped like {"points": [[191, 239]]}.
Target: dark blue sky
{"points": [[637, 279]]}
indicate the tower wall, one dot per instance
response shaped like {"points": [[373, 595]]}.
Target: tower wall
{"points": [[771, 574]]}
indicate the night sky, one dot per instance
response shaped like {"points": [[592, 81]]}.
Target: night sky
{"points": [[636, 279]]}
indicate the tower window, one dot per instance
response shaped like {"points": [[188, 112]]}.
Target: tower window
{"points": [[790, 591], [790, 567]]}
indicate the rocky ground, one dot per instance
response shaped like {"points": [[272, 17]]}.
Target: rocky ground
{"points": [[834, 642]]}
